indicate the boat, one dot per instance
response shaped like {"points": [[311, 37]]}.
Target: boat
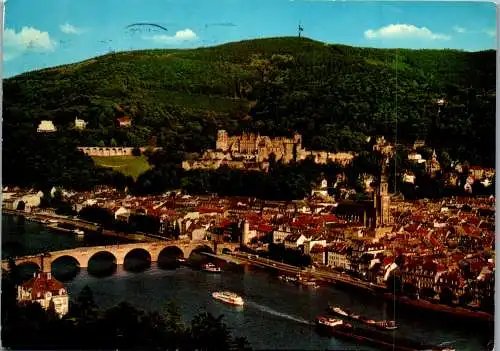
{"points": [[386, 325], [228, 297], [210, 267], [79, 232], [288, 279], [345, 313], [322, 321], [340, 311], [340, 329]]}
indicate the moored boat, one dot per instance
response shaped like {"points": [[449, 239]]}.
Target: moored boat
{"points": [[386, 325], [340, 329], [210, 267], [79, 232], [228, 297], [339, 311], [327, 322]]}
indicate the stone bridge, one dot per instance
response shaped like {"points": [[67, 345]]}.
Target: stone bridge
{"points": [[84, 254]]}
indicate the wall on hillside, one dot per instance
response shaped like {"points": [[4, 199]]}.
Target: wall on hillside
{"points": [[110, 151]]}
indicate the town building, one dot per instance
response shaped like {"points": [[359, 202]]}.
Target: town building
{"points": [[124, 122], [321, 190], [46, 127], [44, 289]]}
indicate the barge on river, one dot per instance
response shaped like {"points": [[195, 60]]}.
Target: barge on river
{"points": [[342, 330], [345, 313]]}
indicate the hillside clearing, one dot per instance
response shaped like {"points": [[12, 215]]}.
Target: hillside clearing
{"points": [[132, 166]]}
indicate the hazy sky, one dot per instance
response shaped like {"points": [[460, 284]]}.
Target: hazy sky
{"points": [[44, 33]]}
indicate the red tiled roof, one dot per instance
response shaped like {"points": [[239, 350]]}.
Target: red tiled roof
{"points": [[317, 249], [41, 284], [330, 218], [264, 228], [225, 223], [124, 119]]}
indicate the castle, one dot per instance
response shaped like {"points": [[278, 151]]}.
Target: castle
{"points": [[252, 152]]}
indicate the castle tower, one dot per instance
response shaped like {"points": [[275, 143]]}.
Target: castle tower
{"points": [[382, 199], [222, 140]]}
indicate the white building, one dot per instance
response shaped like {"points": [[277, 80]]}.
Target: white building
{"points": [[309, 244], [122, 214], [321, 190], [80, 123], [293, 241], [44, 289], [279, 236], [336, 257], [46, 127]]}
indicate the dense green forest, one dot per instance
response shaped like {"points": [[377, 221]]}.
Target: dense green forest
{"points": [[334, 95]]}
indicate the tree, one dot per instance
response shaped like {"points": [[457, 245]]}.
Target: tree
{"points": [[394, 284], [446, 296], [409, 289], [427, 293], [207, 332], [51, 312], [113, 142], [136, 151], [85, 307]]}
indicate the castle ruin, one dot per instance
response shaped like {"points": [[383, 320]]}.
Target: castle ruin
{"points": [[253, 151]]}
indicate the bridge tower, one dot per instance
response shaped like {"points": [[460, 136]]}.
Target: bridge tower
{"points": [[45, 264]]}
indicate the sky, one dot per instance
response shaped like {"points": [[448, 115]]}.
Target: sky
{"points": [[47, 33]]}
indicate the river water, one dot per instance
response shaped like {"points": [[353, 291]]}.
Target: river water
{"points": [[277, 315]]}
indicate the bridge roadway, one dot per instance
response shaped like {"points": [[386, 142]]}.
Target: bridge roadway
{"points": [[84, 254], [320, 274]]}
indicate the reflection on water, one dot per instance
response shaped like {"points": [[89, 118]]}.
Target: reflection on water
{"points": [[276, 315]]}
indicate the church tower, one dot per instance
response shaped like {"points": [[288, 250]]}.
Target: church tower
{"points": [[382, 199]]}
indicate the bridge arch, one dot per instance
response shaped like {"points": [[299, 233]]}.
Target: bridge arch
{"points": [[21, 205], [66, 257], [65, 267], [27, 269], [137, 259], [170, 252], [29, 263], [202, 248], [138, 250], [102, 254]]}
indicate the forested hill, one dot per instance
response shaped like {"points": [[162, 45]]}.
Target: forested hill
{"points": [[334, 95]]}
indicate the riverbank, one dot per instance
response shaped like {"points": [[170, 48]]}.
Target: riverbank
{"points": [[50, 220], [343, 281]]}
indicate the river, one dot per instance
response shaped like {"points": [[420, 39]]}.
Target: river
{"points": [[277, 315]]}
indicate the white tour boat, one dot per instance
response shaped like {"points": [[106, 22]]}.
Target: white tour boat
{"points": [[228, 297]]}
